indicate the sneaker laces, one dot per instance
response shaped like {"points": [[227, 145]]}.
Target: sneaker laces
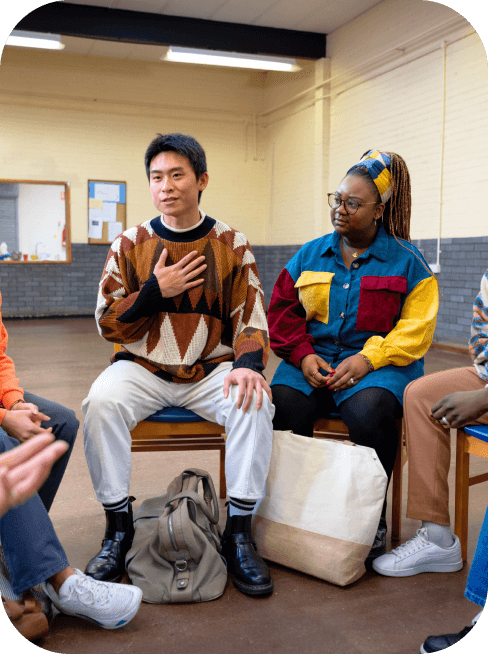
{"points": [[415, 544], [89, 591]]}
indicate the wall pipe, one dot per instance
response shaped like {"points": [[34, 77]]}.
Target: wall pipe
{"points": [[436, 268], [398, 48]]}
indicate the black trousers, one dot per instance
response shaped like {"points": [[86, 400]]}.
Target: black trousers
{"points": [[370, 416]]}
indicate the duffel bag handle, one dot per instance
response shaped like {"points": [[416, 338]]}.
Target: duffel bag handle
{"points": [[209, 494], [198, 500], [189, 487]]}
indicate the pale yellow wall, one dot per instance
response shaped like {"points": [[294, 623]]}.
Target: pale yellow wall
{"points": [[295, 138], [73, 118], [397, 106], [388, 99]]}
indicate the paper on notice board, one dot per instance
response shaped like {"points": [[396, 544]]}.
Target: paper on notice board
{"points": [[109, 212], [93, 203], [114, 229], [108, 192], [106, 214], [94, 227]]}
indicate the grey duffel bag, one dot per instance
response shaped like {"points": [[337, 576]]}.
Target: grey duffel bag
{"points": [[175, 554]]}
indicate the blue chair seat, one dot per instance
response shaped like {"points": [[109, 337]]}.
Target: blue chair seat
{"points": [[478, 431], [175, 414]]}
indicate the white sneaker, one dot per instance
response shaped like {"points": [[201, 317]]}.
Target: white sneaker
{"points": [[109, 605], [419, 555]]}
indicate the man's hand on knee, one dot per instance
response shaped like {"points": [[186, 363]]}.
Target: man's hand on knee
{"points": [[248, 381], [461, 408]]}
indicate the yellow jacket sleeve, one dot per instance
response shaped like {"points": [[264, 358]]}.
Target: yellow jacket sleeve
{"points": [[411, 337]]}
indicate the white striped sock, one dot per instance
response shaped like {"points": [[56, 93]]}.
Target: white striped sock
{"points": [[240, 507], [118, 507]]}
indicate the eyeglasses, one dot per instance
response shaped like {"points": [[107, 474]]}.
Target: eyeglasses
{"points": [[351, 206]]}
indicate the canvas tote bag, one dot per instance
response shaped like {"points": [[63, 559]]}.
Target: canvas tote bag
{"points": [[322, 506], [175, 554]]}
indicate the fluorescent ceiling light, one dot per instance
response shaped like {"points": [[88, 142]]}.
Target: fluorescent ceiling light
{"points": [[232, 59], [35, 40]]}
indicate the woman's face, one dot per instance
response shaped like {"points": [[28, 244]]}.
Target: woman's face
{"points": [[360, 225]]}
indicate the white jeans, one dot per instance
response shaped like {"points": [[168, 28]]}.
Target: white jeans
{"points": [[126, 393]]}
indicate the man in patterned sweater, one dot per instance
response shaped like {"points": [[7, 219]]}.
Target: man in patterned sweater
{"points": [[181, 293]]}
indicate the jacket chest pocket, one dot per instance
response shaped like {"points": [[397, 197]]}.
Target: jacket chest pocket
{"points": [[379, 302], [313, 294]]}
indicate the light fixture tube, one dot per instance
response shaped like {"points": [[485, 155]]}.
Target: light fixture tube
{"points": [[232, 59], [35, 40]]}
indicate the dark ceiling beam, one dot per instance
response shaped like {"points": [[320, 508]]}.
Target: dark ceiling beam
{"points": [[157, 29]]}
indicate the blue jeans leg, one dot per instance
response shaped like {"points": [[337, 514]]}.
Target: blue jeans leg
{"points": [[65, 425], [32, 550], [477, 586]]}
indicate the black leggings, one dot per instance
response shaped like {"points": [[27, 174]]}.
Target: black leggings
{"points": [[370, 415]]}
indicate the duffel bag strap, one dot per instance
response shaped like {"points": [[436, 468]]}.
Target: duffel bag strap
{"points": [[198, 500]]}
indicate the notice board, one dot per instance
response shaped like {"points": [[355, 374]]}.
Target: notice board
{"points": [[107, 202]]}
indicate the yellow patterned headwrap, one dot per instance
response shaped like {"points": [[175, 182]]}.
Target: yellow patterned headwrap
{"points": [[378, 165]]}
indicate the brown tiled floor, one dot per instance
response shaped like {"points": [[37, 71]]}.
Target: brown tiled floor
{"points": [[377, 615]]}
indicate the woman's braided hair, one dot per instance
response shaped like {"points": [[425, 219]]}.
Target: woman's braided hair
{"points": [[396, 216]]}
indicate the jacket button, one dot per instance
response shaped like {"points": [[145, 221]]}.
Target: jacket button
{"points": [[343, 315], [346, 286], [355, 265]]}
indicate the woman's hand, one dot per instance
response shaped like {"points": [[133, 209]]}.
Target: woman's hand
{"points": [[310, 365], [353, 368]]}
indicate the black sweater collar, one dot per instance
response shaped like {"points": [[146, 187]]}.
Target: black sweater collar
{"points": [[183, 237]]}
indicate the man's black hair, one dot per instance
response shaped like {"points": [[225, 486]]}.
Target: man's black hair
{"points": [[182, 144]]}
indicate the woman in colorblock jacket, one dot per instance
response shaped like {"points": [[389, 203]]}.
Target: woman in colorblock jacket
{"points": [[353, 313]]}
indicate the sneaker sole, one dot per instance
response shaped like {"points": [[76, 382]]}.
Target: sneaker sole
{"points": [[125, 619], [428, 567], [106, 625]]}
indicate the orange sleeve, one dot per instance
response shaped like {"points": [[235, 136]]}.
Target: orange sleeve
{"points": [[10, 390]]}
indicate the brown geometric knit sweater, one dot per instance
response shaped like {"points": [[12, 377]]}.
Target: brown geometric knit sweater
{"points": [[183, 338]]}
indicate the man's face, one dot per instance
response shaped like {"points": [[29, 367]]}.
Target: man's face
{"points": [[173, 184]]}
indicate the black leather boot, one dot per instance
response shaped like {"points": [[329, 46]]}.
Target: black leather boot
{"points": [[251, 574], [109, 563]]}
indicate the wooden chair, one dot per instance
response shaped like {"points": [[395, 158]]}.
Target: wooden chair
{"points": [[174, 429], [333, 427], [469, 440]]}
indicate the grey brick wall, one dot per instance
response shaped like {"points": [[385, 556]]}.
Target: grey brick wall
{"points": [[270, 260], [71, 289], [463, 262], [54, 289]]}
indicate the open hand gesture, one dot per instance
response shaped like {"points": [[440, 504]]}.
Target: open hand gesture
{"points": [[24, 469]]}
